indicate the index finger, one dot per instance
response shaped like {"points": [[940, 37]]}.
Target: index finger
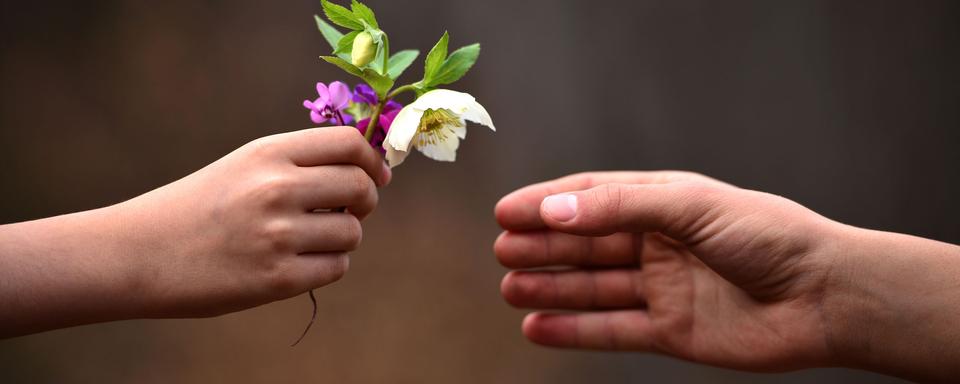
{"points": [[333, 145], [520, 210]]}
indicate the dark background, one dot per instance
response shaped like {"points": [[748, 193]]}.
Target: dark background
{"points": [[849, 107]]}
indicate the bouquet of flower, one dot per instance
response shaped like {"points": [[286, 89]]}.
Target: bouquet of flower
{"points": [[433, 123]]}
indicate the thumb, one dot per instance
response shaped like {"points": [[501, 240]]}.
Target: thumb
{"points": [[678, 210]]}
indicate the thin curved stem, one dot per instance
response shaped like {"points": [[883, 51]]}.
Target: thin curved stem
{"points": [[374, 119], [401, 89], [313, 319]]}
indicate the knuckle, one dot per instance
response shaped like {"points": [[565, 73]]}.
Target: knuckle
{"points": [[353, 233], [354, 143], [264, 147], [278, 235], [274, 190], [608, 199], [698, 190], [361, 184]]}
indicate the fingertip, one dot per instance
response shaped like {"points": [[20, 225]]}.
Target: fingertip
{"points": [[552, 330], [505, 283], [386, 175], [529, 323], [516, 211], [500, 248], [501, 211], [517, 250], [517, 289]]}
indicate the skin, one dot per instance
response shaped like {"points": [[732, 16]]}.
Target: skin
{"points": [[259, 225], [683, 265]]}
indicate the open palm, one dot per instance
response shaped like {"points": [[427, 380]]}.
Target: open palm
{"points": [[668, 262]]}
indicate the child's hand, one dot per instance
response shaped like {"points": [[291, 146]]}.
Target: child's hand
{"points": [[253, 227], [258, 225]]}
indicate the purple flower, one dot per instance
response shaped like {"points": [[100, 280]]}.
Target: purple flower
{"points": [[331, 103], [386, 119], [362, 93]]}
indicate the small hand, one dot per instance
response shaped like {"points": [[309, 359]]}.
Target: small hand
{"points": [[258, 225]]}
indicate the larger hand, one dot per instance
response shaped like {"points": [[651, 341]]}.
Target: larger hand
{"points": [[669, 262]]}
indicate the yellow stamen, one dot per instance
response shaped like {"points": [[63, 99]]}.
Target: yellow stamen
{"points": [[436, 125]]}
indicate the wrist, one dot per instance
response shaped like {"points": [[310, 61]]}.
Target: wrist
{"points": [[891, 304]]}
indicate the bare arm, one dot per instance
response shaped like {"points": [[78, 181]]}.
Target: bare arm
{"points": [[259, 225]]}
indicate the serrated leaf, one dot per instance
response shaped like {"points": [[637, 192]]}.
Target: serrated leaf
{"points": [[436, 57], [344, 65], [345, 45], [380, 83], [457, 65], [341, 16], [331, 34], [364, 12], [400, 61]]}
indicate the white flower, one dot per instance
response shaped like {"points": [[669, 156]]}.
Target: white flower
{"points": [[434, 124]]}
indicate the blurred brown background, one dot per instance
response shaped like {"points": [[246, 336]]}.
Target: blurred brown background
{"points": [[849, 107]]}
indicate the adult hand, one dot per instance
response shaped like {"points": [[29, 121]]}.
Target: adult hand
{"points": [[684, 265]]}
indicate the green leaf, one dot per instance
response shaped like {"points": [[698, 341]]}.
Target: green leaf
{"points": [[457, 65], [377, 63], [364, 13], [400, 61], [331, 34], [380, 83], [436, 56], [345, 45], [344, 65], [341, 16]]}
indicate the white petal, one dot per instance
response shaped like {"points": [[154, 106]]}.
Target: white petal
{"points": [[443, 151], [403, 128], [460, 131], [477, 114], [444, 99], [394, 157], [460, 103]]}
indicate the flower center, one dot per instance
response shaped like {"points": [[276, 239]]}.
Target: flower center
{"points": [[436, 125]]}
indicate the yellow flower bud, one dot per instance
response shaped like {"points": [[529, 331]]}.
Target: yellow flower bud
{"points": [[364, 49]]}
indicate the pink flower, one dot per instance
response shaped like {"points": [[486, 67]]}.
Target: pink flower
{"points": [[331, 103]]}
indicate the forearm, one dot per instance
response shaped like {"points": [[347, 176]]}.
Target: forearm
{"points": [[64, 271], [898, 305]]}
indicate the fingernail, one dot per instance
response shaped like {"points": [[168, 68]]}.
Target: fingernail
{"points": [[387, 174], [560, 207]]}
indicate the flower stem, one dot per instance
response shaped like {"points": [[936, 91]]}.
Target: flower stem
{"points": [[374, 119], [340, 118], [313, 319], [401, 89]]}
